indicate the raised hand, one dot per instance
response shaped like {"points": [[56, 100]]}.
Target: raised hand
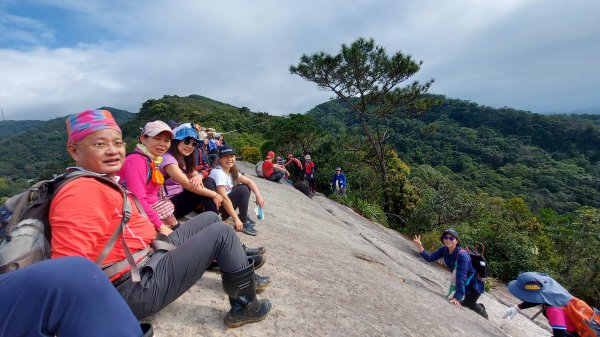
{"points": [[418, 244]]}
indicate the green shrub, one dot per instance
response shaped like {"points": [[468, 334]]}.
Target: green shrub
{"points": [[363, 207], [250, 154]]}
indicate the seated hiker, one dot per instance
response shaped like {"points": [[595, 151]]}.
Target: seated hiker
{"points": [[212, 146], [280, 166], [297, 165], [183, 184], [273, 172], [535, 289], [141, 177], [309, 173], [338, 182], [68, 297], [465, 287], [235, 190], [85, 213]]}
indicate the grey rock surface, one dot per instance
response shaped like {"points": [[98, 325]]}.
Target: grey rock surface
{"points": [[335, 273]]}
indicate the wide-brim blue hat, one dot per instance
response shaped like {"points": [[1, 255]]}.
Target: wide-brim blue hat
{"points": [[540, 288], [186, 132]]}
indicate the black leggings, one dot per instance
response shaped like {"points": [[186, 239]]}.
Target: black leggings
{"points": [[167, 275], [239, 196], [186, 201], [470, 301]]}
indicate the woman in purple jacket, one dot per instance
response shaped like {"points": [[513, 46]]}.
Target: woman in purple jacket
{"points": [[465, 287]]}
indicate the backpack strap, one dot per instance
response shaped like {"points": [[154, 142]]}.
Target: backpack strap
{"points": [[538, 313], [469, 277], [148, 160]]}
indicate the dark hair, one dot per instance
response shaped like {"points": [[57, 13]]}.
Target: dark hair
{"points": [[182, 161]]}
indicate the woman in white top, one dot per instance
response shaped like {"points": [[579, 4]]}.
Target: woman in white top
{"points": [[235, 190]]}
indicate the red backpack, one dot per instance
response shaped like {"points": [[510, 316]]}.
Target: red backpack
{"points": [[585, 318]]}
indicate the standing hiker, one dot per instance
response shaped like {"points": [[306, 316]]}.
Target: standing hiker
{"points": [[465, 287], [297, 165], [338, 182], [309, 173]]}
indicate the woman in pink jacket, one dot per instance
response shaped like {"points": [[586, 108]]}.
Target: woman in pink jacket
{"points": [[140, 174]]}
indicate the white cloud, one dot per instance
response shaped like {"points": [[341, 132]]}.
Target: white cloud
{"points": [[495, 53]]}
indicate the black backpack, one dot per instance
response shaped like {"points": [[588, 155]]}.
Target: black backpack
{"points": [[25, 229], [477, 260]]}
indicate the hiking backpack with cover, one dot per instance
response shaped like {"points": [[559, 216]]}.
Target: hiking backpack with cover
{"points": [[258, 168], [25, 228], [585, 318]]}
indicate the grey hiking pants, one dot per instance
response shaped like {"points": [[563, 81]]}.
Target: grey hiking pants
{"points": [[167, 275]]}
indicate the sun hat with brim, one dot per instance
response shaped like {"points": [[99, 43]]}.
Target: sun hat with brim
{"points": [[451, 232], [153, 129], [225, 150], [184, 133], [540, 288]]}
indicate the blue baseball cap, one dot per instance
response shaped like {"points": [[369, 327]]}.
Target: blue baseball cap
{"points": [[540, 288], [451, 232], [186, 132]]}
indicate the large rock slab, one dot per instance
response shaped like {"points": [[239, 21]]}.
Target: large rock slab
{"points": [[335, 273]]}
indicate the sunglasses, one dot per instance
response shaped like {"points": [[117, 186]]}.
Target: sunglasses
{"points": [[189, 141], [449, 237]]}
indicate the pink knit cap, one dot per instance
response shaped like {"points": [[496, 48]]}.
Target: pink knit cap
{"points": [[82, 124]]}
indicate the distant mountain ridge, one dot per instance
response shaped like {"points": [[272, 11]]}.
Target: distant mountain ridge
{"points": [[33, 150]]}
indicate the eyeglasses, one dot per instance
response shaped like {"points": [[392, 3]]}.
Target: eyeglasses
{"points": [[104, 145], [189, 141], [449, 237]]}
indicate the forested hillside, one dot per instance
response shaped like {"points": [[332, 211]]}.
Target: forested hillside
{"points": [[552, 161]]}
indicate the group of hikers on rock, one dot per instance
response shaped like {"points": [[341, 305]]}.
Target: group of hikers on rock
{"points": [[276, 169], [155, 259], [150, 259]]}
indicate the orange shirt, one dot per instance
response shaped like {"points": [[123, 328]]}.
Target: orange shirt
{"points": [[83, 216]]}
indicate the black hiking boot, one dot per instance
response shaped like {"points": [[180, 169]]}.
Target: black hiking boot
{"points": [[262, 282], [254, 251], [147, 330], [240, 286], [483, 312], [257, 260]]}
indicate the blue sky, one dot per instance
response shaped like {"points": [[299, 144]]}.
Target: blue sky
{"points": [[62, 56]]}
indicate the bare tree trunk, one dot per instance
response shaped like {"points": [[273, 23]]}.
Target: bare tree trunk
{"points": [[379, 152]]}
